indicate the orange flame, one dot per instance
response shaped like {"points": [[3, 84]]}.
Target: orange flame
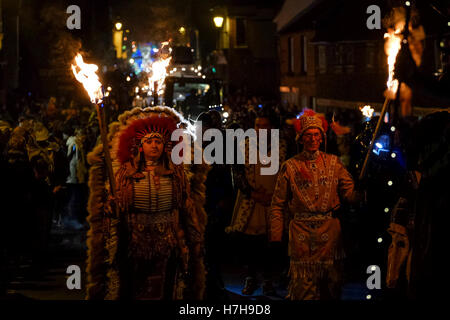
{"points": [[88, 77], [159, 70], [392, 47], [367, 111], [159, 73]]}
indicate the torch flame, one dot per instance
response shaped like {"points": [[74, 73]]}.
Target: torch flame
{"points": [[159, 69], [392, 47], [159, 73], [88, 77], [367, 111]]}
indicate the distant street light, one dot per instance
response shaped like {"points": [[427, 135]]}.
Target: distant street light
{"points": [[182, 30], [218, 21], [118, 26]]}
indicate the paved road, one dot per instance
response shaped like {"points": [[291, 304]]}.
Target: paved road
{"points": [[68, 248]]}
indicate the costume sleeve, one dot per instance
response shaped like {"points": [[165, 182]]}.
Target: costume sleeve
{"points": [[346, 185], [193, 203], [241, 180], [239, 173], [96, 254], [282, 150], [279, 202], [195, 220]]}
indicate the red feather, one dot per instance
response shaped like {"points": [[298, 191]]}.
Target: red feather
{"points": [[311, 113]]}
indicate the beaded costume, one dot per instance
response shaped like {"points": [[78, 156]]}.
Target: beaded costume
{"points": [[308, 191], [150, 251]]}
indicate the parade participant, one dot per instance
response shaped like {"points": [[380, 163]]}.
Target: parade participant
{"points": [[218, 207], [251, 212], [311, 186], [76, 181], [157, 230], [31, 160], [417, 213]]}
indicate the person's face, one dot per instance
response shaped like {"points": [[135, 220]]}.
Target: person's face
{"points": [[311, 140], [153, 148]]}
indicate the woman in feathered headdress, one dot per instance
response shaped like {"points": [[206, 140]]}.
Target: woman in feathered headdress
{"points": [[144, 252]]}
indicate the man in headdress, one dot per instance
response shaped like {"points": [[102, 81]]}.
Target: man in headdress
{"points": [[311, 186]]}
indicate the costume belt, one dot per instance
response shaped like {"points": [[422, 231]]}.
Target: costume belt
{"points": [[316, 215]]}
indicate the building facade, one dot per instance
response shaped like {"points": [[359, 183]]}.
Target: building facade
{"points": [[330, 58], [246, 52]]}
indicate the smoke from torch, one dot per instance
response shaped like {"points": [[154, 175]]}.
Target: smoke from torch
{"points": [[88, 77]]}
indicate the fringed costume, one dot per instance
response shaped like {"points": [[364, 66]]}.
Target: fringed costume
{"points": [[308, 191], [144, 242]]}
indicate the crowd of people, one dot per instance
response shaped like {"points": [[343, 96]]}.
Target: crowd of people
{"points": [[44, 157], [43, 164]]}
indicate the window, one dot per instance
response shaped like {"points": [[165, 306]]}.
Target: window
{"points": [[322, 59], [241, 32], [291, 56], [304, 54], [338, 58], [349, 52], [304, 101]]}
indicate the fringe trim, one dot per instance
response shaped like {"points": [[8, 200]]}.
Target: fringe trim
{"points": [[299, 270], [197, 176], [305, 268], [103, 280], [96, 266]]}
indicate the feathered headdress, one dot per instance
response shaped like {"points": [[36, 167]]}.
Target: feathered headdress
{"points": [[139, 124]]}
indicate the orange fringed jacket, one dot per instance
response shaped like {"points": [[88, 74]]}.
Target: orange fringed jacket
{"points": [[308, 186]]}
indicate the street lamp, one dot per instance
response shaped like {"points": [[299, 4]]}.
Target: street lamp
{"points": [[218, 21], [118, 26]]}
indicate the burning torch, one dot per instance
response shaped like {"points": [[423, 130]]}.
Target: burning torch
{"points": [[395, 39], [86, 74], [159, 73]]}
